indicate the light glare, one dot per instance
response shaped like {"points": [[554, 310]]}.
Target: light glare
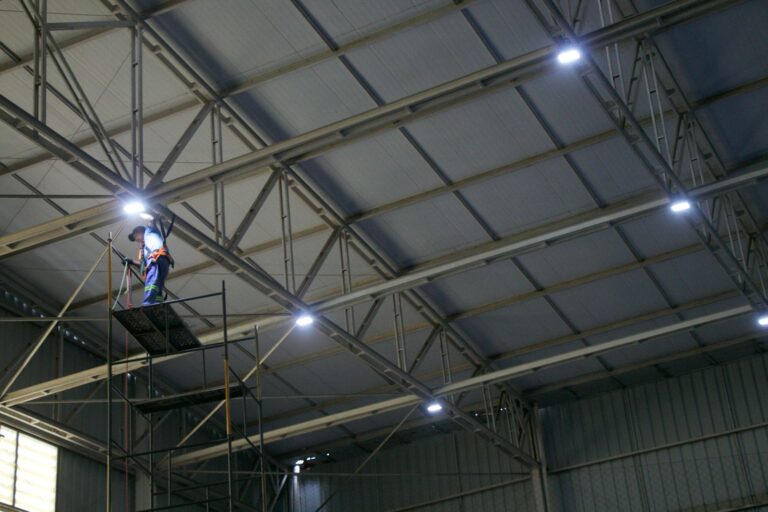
{"points": [[134, 207], [434, 407], [304, 320], [763, 321], [681, 205], [568, 55]]}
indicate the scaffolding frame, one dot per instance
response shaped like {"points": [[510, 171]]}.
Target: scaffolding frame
{"points": [[157, 462]]}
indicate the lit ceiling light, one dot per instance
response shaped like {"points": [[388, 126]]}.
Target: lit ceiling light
{"points": [[568, 55], [434, 407], [304, 320], [763, 321], [134, 207], [146, 216], [681, 205], [299, 462]]}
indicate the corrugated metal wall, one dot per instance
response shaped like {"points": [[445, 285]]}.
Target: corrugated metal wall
{"points": [[693, 443], [82, 485], [424, 475], [696, 442]]}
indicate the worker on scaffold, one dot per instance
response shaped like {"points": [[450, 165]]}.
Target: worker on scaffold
{"points": [[154, 260]]}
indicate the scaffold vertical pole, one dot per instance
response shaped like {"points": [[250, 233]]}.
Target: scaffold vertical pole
{"points": [[228, 412], [109, 373], [259, 403], [151, 441]]}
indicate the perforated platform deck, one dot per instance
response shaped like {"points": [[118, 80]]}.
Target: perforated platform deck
{"points": [[149, 326], [180, 400]]}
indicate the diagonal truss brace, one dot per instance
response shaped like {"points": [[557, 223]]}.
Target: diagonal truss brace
{"points": [[376, 361]]}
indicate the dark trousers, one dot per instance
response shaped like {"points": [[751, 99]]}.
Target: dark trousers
{"points": [[155, 281]]}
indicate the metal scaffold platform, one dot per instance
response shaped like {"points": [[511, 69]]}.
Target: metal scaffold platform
{"points": [[157, 328]]}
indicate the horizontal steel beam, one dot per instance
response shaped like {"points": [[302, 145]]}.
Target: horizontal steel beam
{"points": [[84, 25], [457, 387], [53, 432], [55, 196], [752, 337], [77, 379]]}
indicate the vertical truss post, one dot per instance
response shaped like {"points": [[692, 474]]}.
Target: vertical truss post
{"points": [[286, 227], [490, 414], [539, 471], [40, 75], [57, 412], [217, 156], [445, 360], [346, 279], [169, 480], [445, 357], [512, 418], [36, 64], [654, 104], [695, 168], [400, 347], [612, 54], [137, 108], [82, 107]]}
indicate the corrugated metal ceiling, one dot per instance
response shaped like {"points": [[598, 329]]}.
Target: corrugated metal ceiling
{"points": [[250, 38]]}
